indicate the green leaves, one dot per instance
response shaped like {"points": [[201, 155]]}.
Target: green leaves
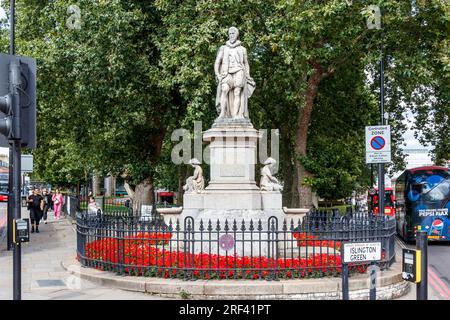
{"points": [[110, 93]]}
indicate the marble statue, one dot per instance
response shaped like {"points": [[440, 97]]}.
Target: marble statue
{"points": [[268, 181], [195, 183], [235, 85]]}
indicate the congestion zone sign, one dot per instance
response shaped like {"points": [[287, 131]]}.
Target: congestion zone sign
{"points": [[378, 144]]}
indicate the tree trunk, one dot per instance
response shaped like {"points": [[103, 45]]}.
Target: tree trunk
{"points": [[181, 182], [290, 196], [295, 197], [95, 185], [301, 138], [141, 195]]}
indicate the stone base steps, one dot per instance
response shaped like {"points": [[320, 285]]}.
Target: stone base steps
{"points": [[390, 285]]}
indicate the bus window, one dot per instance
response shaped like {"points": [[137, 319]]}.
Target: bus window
{"points": [[417, 188]]}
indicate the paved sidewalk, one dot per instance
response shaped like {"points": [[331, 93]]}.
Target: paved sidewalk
{"points": [[44, 278]]}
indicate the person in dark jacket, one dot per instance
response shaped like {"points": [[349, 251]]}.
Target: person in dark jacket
{"points": [[36, 205], [47, 203]]}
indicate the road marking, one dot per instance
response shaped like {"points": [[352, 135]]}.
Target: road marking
{"points": [[443, 289], [437, 288]]}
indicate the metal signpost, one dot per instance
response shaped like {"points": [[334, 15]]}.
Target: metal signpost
{"points": [[360, 252], [378, 148]]}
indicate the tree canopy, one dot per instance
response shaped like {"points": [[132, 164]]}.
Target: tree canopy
{"points": [[111, 92]]}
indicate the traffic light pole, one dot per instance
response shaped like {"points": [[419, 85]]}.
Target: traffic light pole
{"points": [[16, 155], [10, 214], [17, 274], [381, 192]]}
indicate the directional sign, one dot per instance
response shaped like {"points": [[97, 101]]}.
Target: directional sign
{"points": [[378, 144], [361, 252]]}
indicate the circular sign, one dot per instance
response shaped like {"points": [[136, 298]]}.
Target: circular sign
{"points": [[226, 242], [372, 192], [377, 142]]}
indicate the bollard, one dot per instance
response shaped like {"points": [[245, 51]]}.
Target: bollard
{"points": [[373, 282], [422, 245], [345, 295]]}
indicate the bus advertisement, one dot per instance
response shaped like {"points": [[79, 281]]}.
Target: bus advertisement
{"points": [[423, 203]]}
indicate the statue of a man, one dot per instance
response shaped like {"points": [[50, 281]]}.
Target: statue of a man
{"points": [[195, 183], [268, 181], [235, 85]]}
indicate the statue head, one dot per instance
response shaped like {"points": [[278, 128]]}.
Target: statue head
{"points": [[194, 162], [233, 34], [270, 162]]}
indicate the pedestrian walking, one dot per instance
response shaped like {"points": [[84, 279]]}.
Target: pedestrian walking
{"points": [[36, 206], [47, 203], [58, 202]]}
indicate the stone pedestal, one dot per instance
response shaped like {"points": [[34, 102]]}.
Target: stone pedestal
{"points": [[232, 194], [233, 156]]}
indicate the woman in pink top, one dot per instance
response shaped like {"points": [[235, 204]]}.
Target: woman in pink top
{"points": [[58, 202]]}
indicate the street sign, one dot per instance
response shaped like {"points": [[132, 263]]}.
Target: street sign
{"points": [[353, 252], [378, 144], [26, 163]]}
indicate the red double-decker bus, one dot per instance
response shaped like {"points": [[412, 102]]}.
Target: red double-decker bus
{"points": [[4, 184], [388, 201]]}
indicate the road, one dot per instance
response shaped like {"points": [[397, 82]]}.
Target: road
{"points": [[438, 269]]}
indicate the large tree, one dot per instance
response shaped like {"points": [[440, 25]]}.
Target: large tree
{"points": [[101, 106]]}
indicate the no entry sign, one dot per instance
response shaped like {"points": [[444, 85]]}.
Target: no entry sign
{"points": [[378, 144]]}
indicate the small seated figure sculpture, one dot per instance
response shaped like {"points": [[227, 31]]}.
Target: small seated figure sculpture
{"points": [[268, 181], [195, 183]]}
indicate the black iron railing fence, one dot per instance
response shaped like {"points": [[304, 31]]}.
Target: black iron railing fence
{"points": [[189, 249]]}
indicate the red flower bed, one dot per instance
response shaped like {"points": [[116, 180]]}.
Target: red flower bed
{"points": [[148, 254], [310, 241]]}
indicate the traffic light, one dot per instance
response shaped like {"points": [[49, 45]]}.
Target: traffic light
{"points": [[6, 108], [28, 102], [18, 81]]}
